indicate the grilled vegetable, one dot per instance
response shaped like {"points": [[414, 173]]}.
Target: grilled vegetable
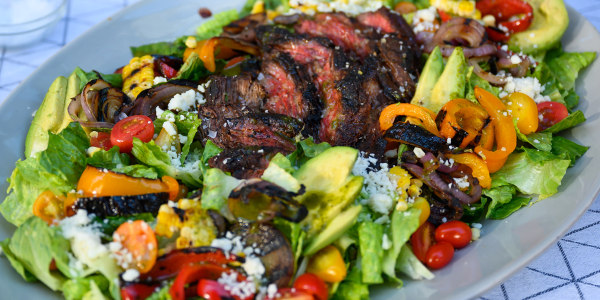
{"points": [[138, 75], [194, 224], [110, 206], [414, 135]]}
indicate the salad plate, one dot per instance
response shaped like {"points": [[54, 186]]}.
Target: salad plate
{"points": [[504, 247]]}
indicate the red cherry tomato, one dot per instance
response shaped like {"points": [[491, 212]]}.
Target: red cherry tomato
{"points": [[167, 70], [137, 291], [125, 130], [454, 232], [292, 294], [101, 140], [552, 113], [421, 240], [514, 15], [439, 255], [211, 290], [312, 284]]}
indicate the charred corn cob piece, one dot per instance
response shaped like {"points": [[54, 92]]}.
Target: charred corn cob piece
{"points": [[138, 75], [193, 224]]}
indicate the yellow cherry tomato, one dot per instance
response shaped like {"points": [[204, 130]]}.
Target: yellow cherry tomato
{"points": [[328, 265], [422, 204], [524, 110]]}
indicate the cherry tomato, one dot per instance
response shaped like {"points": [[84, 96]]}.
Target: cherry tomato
{"points": [[422, 204], [552, 113], [100, 140], [125, 130], [167, 70], [139, 240], [439, 255], [211, 290], [49, 207], [422, 240], [514, 15], [444, 16], [292, 294], [457, 233], [328, 265], [137, 291], [524, 110], [312, 284]]}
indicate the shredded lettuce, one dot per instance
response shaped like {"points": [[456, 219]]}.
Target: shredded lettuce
{"points": [[57, 168]]}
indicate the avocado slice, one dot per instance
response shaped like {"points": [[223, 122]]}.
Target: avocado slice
{"points": [[73, 89], [451, 84], [48, 117], [550, 21], [330, 186], [431, 73], [336, 228]]}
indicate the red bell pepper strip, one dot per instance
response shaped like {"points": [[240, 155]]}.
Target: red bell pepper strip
{"points": [[167, 266]]}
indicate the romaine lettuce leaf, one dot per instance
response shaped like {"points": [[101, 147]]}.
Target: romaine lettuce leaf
{"points": [[81, 287], [34, 245], [57, 168], [214, 26], [370, 236], [567, 149], [403, 224], [566, 65], [119, 162], [175, 48], [539, 140], [532, 172], [305, 150], [499, 195], [114, 79], [409, 265], [352, 288], [217, 187], [572, 120], [506, 209]]}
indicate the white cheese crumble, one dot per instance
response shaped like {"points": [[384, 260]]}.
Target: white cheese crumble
{"points": [[158, 80], [462, 182], [424, 20], [170, 128], [529, 86], [130, 275], [85, 238], [186, 100], [351, 7], [378, 188], [418, 152], [515, 59]]}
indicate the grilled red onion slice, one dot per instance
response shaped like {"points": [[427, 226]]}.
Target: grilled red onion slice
{"points": [[443, 189], [493, 79]]}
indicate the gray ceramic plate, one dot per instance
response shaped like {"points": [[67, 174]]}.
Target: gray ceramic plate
{"points": [[505, 247]]}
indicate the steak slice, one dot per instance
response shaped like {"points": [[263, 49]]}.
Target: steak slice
{"points": [[386, 21], [244, 163], [228, 127], [240, 91], [290, 90], [338, 28], [398, 69]]}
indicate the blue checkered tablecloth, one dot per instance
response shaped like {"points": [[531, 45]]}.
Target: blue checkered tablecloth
{"points": [[570, 269]]}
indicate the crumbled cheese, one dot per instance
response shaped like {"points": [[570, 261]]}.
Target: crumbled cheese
{"points": [[386, 243], [85, 239], [462, 182], [271, 291], [170, 128], [253, 267], [186, 100], [515, 59], [159, 112], [183, 138], [130, 275], [424, 20], [529, 86], [418, 152], [243, 290], [158, 80], [351, 7], [379, 188], [476, 225]]}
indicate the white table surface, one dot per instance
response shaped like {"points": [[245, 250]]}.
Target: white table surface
{"points": [[569, 269]]}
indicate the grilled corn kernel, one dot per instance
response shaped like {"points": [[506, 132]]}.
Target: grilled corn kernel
{"points": [[466, 7], [414, 190], [191, 42], [138, 75], [401, 205], [195, 226], [417, 182], [402, 177]]}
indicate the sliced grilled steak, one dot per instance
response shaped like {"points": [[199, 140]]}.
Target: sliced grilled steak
{"points": [[244, 163], [338, 28], [240, 91], [386, 21], [398, 69], [290, 90], [228, 127]]}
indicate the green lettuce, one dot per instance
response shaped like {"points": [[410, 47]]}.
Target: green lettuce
{"points": [[278, 5], [532, 172], [85, 288], [403, 224], [352, 288], [214, 26], [566, 65], [175, 48], [119, 162], [409, 265], [294, 234], [217, 187], [370, 236], [193, 69], [572, 120], [539, 140], [498, 196], [305, 150], [32, 248], [57, 168], [506, 209], [116, 80], [567, 149]]}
